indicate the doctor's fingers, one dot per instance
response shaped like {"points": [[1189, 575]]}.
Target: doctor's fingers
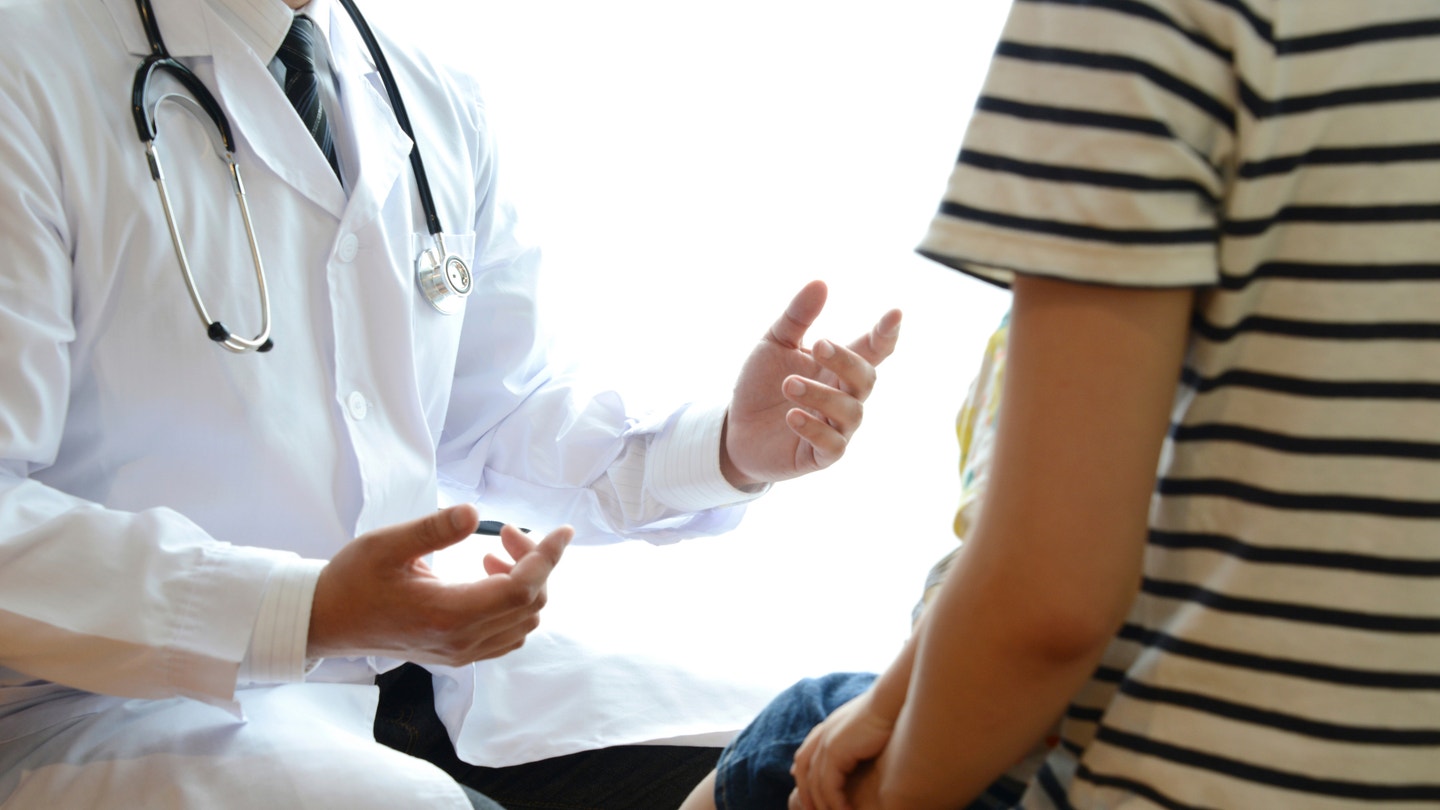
{"points": [[515, 591], [844, 368], [490, 636], [517, 544], [535, 561], [458, 623], [832, 406], [879, 343]]}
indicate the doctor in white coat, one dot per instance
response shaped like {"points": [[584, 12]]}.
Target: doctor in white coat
{"points": [[186, 616]]}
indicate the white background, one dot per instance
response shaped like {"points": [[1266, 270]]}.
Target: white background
{"points": [[687, 167]]}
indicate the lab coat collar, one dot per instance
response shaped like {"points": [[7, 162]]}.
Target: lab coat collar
{"points": [[242, 36], [186, 25], [259, 110]]}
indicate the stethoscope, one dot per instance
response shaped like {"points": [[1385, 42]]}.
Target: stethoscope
{"points": [[443, 277]]}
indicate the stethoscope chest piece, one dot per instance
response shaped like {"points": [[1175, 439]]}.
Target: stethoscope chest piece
{"points": [[444, 278]]}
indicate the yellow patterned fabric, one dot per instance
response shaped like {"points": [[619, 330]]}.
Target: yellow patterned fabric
{"points": [[975, 430]]}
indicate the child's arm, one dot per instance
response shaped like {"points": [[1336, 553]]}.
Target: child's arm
{"points": [[1054, 563]]}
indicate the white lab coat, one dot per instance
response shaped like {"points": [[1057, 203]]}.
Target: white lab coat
{"points": [[151, 483]]}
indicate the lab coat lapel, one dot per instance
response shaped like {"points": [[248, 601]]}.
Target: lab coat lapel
{"points": [[265, 121], [382, 147], [260, 115]]}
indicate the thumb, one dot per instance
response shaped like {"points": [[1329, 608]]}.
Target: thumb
{"points": [[804, 308], [431, 533]]}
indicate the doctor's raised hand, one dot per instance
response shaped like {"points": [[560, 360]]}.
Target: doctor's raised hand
{"points": [[794, 409], [377, 596]]}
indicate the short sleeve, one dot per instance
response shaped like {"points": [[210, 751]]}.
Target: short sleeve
{"points": [[1097, 151]]}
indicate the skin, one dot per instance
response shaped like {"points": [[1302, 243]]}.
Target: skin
{"points": [[1054, 562], [794, 411], [803, 424], [377, 596], [1047, 575]]}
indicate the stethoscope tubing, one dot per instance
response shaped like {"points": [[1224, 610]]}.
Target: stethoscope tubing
{"points": [[438, 285], [392, 89]]}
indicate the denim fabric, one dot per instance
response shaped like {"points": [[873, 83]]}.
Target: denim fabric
{"points": [[754, 769], [636, 777]]}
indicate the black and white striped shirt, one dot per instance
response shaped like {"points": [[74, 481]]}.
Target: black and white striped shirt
{"points": [[1284, 156]]}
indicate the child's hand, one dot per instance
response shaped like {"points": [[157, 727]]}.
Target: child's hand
{"points": [[851, 735]]}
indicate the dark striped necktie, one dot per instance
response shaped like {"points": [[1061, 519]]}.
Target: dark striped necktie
{"points": [[302, 86]]}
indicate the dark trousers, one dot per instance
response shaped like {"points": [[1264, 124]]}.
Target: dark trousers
{"points": [[632, 777]]}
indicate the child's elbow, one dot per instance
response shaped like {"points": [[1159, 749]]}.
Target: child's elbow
{"points": [[1066, 635], [1067, 625]]}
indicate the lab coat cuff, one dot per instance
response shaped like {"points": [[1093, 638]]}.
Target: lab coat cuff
{"points": [[282, 627], [684, 468]]}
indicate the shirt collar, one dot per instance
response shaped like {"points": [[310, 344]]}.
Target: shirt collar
{"points": [[320, 11], [317, 10], [185, 24], [263, 24]]}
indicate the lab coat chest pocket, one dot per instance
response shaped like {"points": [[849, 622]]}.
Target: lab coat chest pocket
{"points": [[436, 336]]}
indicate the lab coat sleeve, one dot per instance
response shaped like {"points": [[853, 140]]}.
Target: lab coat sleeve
{"points": [[135, 604], [533, 441]]}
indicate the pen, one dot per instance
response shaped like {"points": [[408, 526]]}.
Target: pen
{"points": [[492, 528]]}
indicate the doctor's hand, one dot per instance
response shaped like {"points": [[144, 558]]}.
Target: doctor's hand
{"points": [[379, 597], [795, 409]]}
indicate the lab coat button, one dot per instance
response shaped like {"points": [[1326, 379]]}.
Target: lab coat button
{"points": [[356, 405], [349, 246]]}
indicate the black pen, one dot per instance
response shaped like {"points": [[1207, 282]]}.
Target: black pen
{"points": [[492, 528]]}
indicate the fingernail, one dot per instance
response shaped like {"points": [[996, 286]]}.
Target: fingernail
{"points": [[795, 387], [824, 348]]}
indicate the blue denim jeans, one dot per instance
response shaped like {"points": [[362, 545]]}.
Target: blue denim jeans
{"points": [[754, 769]]}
